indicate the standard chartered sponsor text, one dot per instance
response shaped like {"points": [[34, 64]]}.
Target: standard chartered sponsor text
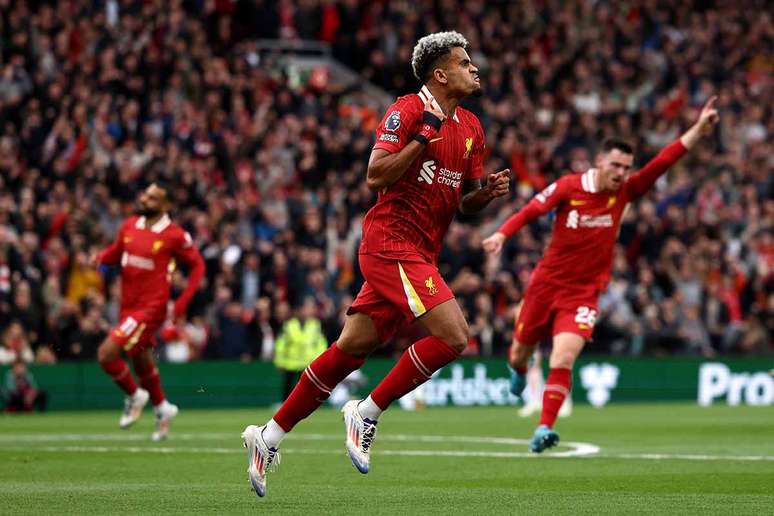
{"points": [[450, 177]]}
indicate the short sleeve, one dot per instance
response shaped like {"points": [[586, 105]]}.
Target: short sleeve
{"points": [[187, 241], [397, 126], [183, 245]]}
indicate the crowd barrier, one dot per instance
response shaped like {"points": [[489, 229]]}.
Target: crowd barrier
{"points": [[467, 382]]}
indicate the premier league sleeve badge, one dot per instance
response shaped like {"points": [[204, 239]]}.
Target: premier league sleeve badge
{"points": [[393, 121]]}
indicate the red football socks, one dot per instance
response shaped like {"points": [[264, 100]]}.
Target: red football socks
{"points": [[119, 371], [151, 382], [414, 368], [315, 385], [557, 388]]}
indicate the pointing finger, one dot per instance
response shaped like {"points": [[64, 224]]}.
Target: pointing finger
{"points": [[710, 102]]}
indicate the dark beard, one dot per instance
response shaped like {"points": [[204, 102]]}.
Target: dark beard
{"points": [[146, 212], [478, 93]]}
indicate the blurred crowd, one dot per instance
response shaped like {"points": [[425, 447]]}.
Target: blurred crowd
{"points": [[99, 98]]}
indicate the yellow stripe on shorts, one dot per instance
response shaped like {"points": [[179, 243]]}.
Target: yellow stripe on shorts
{"points": [[414, 302], [135, 337]]}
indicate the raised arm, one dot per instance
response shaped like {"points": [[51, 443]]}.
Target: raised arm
{"points": [[111, 255], [640, 182], [541, 204], [188, 253], [393, 152]]}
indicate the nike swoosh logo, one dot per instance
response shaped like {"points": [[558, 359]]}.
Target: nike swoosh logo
{"points": [[436, 139], [576, 202]]}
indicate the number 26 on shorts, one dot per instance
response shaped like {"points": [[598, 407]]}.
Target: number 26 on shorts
{"points": [[586, 315]]}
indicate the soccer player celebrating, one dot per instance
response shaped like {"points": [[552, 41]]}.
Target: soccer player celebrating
{"points": [[561, 298], [427, 163], [147, 247]]}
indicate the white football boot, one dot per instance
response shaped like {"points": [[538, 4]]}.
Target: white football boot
{"points": [[164, 413], [360, 435], [260, 458], [133, 406]]}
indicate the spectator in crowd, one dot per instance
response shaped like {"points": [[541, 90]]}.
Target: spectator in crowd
{"points": [[15, 345], [262, 331], [98, 99], [299, 342], [183, 342], [92, 330], [20, 391]]}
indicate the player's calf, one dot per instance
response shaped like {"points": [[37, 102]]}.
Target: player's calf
{"points": [[519, 355], [518, 362], [518, 380], [415, 367]]}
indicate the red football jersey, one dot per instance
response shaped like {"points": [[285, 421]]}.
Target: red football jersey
{"points": [[412, 215], [148, 257], [586, 226]]}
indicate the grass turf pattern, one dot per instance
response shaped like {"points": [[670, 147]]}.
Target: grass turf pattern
{"points": [[655, 459]]}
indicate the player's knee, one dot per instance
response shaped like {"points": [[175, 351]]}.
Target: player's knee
{"points": [[519, 354], [359, 336], [457, 337], [103, 355], [562, 359], [106, 352], [356, 345]]}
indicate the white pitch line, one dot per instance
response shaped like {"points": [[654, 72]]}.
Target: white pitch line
{"points": [[686, 456], [300, 451], [124, 436], [400, 453], [576, 449]]}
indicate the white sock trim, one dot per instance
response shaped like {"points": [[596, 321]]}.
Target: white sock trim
{"points": [[369, 409], [272, 434], [418, 362]]}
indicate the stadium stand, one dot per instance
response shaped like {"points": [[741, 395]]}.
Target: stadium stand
{"points": [[99, 98]]}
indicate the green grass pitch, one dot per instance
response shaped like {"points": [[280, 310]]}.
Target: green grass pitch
{"points": [[658, 459]]}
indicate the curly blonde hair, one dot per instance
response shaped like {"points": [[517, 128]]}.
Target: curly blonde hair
{"points": [[432, 47]]}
